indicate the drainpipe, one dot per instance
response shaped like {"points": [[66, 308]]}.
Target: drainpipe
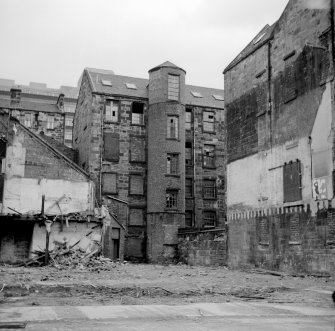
{"points": [[101, 151], [193, 164], [269, 92]]}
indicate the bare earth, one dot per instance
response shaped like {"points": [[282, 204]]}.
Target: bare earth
{"points": [[142, 284]]}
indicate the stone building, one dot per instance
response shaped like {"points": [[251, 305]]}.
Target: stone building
{"points": [[279, 99], [157, 144], [41, 109]]}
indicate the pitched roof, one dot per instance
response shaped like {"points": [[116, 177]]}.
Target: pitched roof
{"points": [[260, 39], [167, 64], [116, 85], [30, 106]]}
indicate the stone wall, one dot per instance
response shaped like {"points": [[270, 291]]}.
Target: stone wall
{"points": [[205, 248], [290, 241]]}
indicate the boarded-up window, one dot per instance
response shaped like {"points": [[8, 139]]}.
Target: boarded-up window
{"points": [[172, 127], [112, 111], [294, 229], [208, 121], [209, 188], [136, 184], [292, 181], [209, 156], [137, 149], [188, 119], [109, 183], [111, 146], [136, 216], [172, 164], [173, 87], [263, 231], [289, 90], [331, 226], [209, 218], [188, 153]]}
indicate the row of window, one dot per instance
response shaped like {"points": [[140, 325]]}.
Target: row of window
{"points": [[112, 114], [32, 119]]}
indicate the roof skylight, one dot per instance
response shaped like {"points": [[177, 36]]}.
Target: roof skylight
{"points": [[131, 86], [218, 97], [196, 94], [106, 82]]}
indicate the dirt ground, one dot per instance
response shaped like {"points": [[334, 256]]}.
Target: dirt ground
{"points": [[136, 284]]}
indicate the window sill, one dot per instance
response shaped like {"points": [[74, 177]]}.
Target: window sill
{"points": [[111, 122], [294, 243], [209, 198], [210, 132], [136, 194], [207, 167], [293, 203], [172, 175], [264, 244], [171, 210], [135, 124], [174, 139]]}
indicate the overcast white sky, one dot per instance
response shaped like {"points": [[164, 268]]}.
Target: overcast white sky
{"points": [[52, 41]]}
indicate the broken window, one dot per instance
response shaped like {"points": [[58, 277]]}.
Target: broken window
{"points": [[173, 87], [137, 115], [68, 135], [209, 156], [50, 122], [171, 199], [292, 181], [188, 218], [68, 121], [136, 184], [172, 164], [188, 119], [209, 218], [112, 111], [209, 189], [172, 127], [111, 146], [188, 187], [209, 121], [109, 183], [27, 120]]}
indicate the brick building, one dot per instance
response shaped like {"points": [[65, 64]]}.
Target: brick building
{"points": [[41, 109], [157, 144], [279, 99]]}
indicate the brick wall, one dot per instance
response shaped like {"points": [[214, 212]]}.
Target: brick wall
{"points": [[292, 241], [205, 248]]}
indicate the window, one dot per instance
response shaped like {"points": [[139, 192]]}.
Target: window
{"points": [[188, 119], [50, 122], [196, 94], [137, 116], [68, 121], [136, 216], [106, 82], [172, 127], [137, 149], [173, 87], [209, 156], [171, 199], [109, 183], [209, 189], [209, 218], [27, 120], [188, 153], [131, 86], [218, 97], [136, 184], [188, 187], [112, 111], [69, 109], [292, 181], [263, 231], [68, 135], [172, 164], [188, 218], [209, 121], [111, 146]]}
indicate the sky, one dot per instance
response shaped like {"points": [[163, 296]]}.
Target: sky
{"points": [[52, 41]]}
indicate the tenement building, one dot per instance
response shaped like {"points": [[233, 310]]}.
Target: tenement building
{"points": [[155, 148], [279, 99], [41, 109]]}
